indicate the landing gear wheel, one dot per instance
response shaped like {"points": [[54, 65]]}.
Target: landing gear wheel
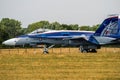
{"points": [[93, 50], [45, 52], [82, 50], [85, 51]]}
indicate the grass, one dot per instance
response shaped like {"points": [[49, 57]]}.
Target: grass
{"points": [[60, 64]]}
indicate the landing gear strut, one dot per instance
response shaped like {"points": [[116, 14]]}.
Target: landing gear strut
{"points": [[45, 50]]}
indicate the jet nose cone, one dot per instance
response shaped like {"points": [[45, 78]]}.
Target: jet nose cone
{"points": [[10, 42], [3, 42]]}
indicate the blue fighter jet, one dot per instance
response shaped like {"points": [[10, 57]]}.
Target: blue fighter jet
{"points": [[108, 33]]}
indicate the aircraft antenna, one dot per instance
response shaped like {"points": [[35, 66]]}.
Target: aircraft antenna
{"points": [[113, 15]]}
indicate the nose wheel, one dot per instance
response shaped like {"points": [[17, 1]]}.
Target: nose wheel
{"points": [[45, 52]]}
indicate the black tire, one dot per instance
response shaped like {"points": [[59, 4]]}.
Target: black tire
{"points": [[85, 51], [45, 52], [82, 50], [94, 51]]}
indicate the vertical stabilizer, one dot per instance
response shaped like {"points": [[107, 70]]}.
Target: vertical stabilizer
{"points": [[109, 27]]}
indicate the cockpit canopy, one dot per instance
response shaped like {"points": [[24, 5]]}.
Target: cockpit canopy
{"points": [[39, 31]]}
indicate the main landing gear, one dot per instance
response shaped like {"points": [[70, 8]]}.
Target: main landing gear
{"points": [[86, 49]]}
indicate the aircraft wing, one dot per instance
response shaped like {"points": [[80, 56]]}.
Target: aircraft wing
{"points": [[84, 40], [80, 40]]}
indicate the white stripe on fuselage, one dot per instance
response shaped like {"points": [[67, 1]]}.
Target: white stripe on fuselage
{"points": [[68, 31]]}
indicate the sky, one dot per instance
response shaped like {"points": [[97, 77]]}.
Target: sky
{"points": [[81, 12]]}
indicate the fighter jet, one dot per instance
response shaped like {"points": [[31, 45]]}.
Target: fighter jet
{"points": [[108, 33]]}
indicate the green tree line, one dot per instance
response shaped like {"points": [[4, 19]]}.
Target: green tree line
{"points": [[10, 28]]}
